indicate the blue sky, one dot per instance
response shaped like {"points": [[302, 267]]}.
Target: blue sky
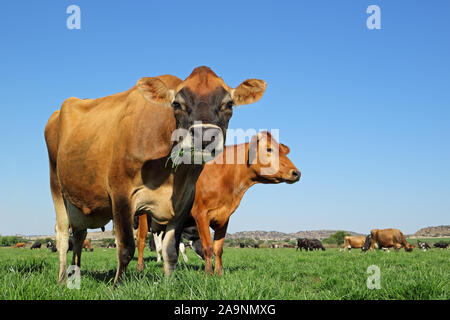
{"points": [[366, 113]]}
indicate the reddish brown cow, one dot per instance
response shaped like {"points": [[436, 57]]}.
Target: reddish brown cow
{"points": [[20, 245], [221, 187], [112, 157], [87, 245], [387, 238]]}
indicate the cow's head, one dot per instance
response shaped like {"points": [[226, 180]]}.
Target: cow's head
{"points": [[367, 243], [203, 105], [269, 160]]}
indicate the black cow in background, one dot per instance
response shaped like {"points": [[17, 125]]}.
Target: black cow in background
{"points": [[441, 245], [309, 244], [36, 245], [315, 244], [51, 246], [191, 234], [302, 243]]}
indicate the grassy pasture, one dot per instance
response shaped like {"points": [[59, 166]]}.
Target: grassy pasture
{"points": [[248, 274]]}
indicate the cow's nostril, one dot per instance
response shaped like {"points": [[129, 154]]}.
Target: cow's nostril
{"points": [[295, 174]]}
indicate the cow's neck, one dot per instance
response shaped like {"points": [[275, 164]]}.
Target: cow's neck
{"points": [[244, 175]]}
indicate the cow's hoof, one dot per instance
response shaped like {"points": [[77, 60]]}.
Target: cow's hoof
{"points": [[140, 267]]}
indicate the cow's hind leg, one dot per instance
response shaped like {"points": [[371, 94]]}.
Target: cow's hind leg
{"points": [[61, 227], [78, 238]]}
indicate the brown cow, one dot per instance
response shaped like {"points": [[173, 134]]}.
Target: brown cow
{"points": [[386, 238], [354, 242], [20, 245], [221, 187], [114, 157], [87, 245]]}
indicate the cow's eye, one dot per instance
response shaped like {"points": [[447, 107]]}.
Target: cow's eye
{"points": [[269, 150], [176, 105], [229, 105]]}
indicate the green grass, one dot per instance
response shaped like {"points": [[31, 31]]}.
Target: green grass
{"points": [[248, 274]]}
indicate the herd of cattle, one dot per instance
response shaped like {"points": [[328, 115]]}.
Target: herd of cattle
{"points": [[386, 239], [118, 158]]}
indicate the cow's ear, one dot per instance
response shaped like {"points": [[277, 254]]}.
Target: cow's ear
{"points": [[155, 91], [249, 91], [284, 148]]}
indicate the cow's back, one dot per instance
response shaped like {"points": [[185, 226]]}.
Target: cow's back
{"points": [[388, 237]]}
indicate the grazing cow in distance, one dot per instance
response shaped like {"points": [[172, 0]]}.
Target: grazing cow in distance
{"points": [[111, 245], [87, 245], [302, 243], [115, 157], [36, 245], [353, 242], [309, 244], [221, 186], [423, 245], [315, 244], [386, 238], [241, 245], [51, 246], [20, 245], [441, 245]]}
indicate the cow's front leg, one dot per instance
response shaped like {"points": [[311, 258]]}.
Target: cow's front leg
{"points": [[123, 222], [219, 238], [170, 245], [202, 222]]}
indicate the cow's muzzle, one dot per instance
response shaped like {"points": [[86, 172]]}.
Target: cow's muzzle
{"points": [[203, 142]]}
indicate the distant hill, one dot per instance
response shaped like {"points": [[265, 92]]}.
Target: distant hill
{"points": [[279, 236], [428, 232], [433, 232]]}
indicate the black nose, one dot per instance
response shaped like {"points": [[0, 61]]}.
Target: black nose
{"points": [[295, 174], [205, 135]]}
